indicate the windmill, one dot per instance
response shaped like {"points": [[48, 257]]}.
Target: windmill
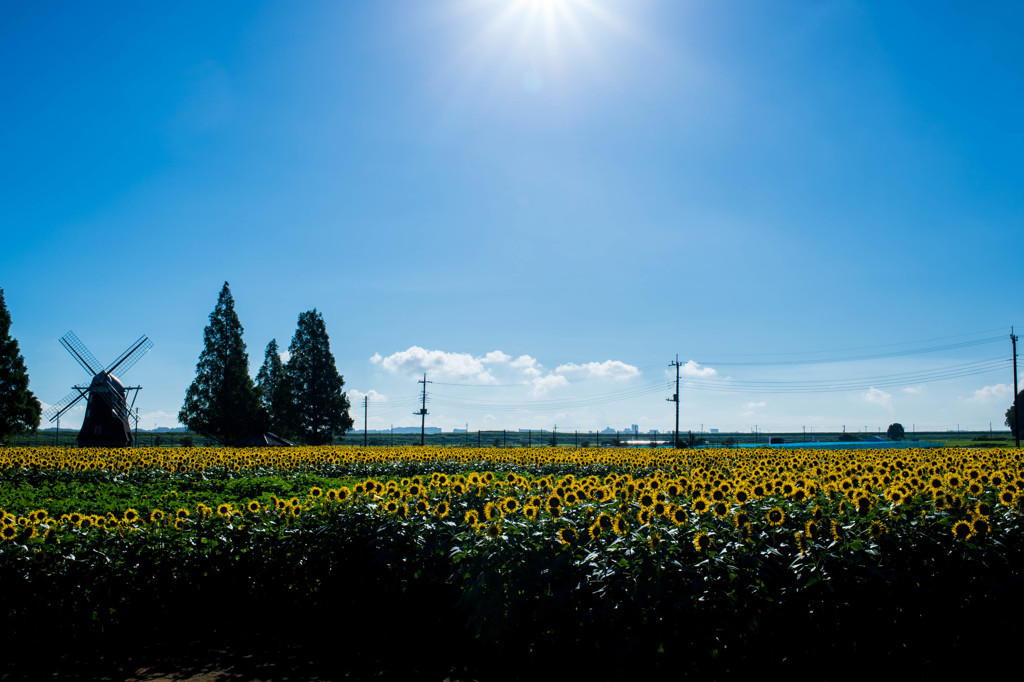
{"points": [[108, 416]]}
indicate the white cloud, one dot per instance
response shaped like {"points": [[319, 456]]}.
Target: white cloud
{"points": [[695, 370], [913, 390], [996, 392], [751, 405], [355, 396], [496, 356], [541, 385], [285, 355], [609, 369], [878, 397], [416, 360], [528, 365]]}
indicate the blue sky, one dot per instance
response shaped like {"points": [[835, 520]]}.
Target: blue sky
{"points": [[538, 202]]}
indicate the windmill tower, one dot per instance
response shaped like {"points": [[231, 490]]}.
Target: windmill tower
{"points": [[108, 416]]}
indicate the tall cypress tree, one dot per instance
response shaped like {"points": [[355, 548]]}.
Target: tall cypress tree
{"points": [[320, 406], [272, 386], [222, 402], [19, 408]]}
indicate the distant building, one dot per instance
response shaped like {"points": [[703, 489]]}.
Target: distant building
{"points": [[714, 430], [416, 429], [609, 429]]}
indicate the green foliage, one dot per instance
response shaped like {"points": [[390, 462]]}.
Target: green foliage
{"points": [[222, 402], [1011, 418], [319, 408], [19, 408], [895, 431], [273, 388]]}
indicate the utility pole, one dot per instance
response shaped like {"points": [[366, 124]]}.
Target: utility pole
{"points": [[675, 398], [423, 410], [1016, 407], [366, 399]]}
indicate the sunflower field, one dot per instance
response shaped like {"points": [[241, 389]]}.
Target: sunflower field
{"points": [[714, 561]]}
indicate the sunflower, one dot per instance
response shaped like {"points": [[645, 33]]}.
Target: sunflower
{"points": [[472, 517], [720, 510], [621, 525], [595, 529], [441, 509], [532, 513], [567, 536], [702, 542], [878, 529], [811, 528], [224, 509], [679, 516], [391, 507], [156, 516], [838, 532], [742, 496], [646, 500], [700, 505], [644, 515], [800, 545], [776, 516], [316, 491], [181, 514], [961, 530], [983, 508], [510, 505], [980, 527], [493, 530], [131, 516], [8, 532], [74, 518], [605, 521], [1007, 497], [422, 506], [332, 495], [740, 519], [254, 506], [295, 509]]}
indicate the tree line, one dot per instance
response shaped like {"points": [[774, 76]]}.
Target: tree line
{"points": [[301, 399]]}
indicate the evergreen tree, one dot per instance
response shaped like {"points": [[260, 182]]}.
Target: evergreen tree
{"points": [[222, 402], [19, 408], [272, 387], [320, 407]]}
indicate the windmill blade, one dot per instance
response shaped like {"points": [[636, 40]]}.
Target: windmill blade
{"points": [[131, 355], [80, 353], [64, 404]]}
